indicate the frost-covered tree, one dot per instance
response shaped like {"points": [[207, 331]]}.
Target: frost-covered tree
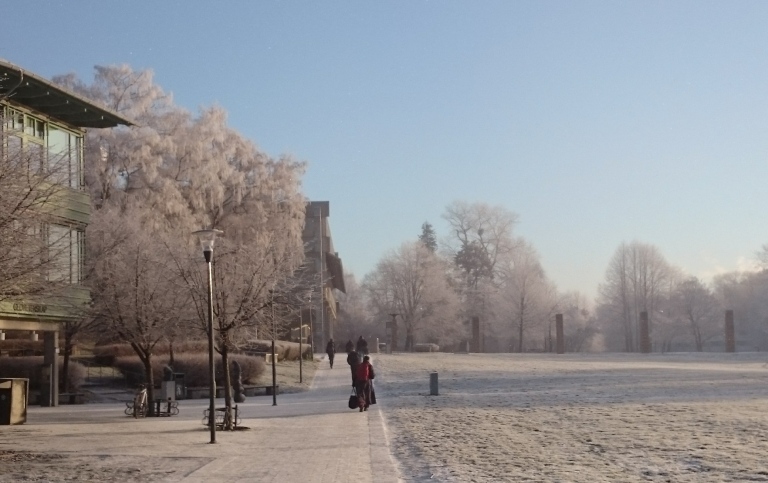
{"points": [[744, 293], [637, 280], [580, 328], [253, 268], [481, 236], [143, 160], [480, 241], [177, 173], [137, 298], [353, 319], [526, 294], [412, 282], [698, 308]]}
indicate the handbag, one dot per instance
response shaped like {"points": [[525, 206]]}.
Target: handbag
{"points": [[353, 403]]}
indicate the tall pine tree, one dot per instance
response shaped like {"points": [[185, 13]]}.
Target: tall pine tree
{"points": [[428, 237]]}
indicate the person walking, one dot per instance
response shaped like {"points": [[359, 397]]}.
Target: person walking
{"points": [[353, 359], [362, 346], [349, 347], [363, 377], [330, 349]]}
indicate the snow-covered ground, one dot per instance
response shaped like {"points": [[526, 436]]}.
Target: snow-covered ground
{"points": [[577, 417]]}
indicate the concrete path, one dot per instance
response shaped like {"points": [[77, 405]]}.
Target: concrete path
{"points": [[308, 437]]}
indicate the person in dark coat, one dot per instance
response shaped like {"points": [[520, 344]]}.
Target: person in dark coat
{"points": [[353, 359], [349, 347], [363, 377], [330, 349], [362, 346]]}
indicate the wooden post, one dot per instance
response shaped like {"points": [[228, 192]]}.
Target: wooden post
{"points": [[645, 337], [730, 336], [433, 390], [559, 333], [476, 345], [393, 333], [49, 393]]}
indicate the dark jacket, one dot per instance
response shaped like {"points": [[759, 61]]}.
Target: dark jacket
{"points": [[330, 348], [353, 359], [362, 345]]}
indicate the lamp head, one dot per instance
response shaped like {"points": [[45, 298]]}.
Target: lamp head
{"points": [[207, 239]]}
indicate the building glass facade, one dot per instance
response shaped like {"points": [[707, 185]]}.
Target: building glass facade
{"points": [[55, 150]]}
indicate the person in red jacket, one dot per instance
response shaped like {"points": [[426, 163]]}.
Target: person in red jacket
{"points": [[363, 377]]}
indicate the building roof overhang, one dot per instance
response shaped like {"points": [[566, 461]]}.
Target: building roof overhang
{"points": [[333, 263], [28, 89]]}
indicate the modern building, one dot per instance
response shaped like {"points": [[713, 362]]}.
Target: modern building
{"points": [[37, 117], [324, 269]]}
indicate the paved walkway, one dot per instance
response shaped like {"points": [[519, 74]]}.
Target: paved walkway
{"points": [[308, 437]]}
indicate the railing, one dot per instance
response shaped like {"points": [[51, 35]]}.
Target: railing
{"points": [[95, 373], [221, 417]]}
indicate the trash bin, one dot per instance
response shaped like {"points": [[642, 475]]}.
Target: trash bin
{"points": [[168, 391], [14, 394], [181, 385]]}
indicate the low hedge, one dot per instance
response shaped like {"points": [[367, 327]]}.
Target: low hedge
{"points": [[426, 348], [193, 366], [106, 354]]}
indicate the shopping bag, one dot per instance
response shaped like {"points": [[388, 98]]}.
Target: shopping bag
{"points": [[353, 404]]}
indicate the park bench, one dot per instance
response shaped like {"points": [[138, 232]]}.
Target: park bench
{"points": [[171, 408], [72, 397], [253, 390], [248, 390], [220, 412]]}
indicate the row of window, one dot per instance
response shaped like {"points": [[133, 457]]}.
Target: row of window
{"points": [[50, 148], [67, 252], [58, 250], [57, 153]]}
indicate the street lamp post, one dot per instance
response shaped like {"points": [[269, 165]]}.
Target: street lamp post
{"points": [[393, 334], [207, 239], [274, 366], [301, 348]]}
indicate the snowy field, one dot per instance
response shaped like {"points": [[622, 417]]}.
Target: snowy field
{"points": [[577, 417]]}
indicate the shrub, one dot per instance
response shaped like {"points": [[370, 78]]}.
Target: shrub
{"points": [[193, 366], [106, 354], [426, 348], [30, 368]]}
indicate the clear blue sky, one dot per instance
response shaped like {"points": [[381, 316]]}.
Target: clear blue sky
{"points": [[596, 121]]}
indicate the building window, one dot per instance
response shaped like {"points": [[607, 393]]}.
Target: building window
{"points": [[50, 148], [65, 251], [65, 156]]}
